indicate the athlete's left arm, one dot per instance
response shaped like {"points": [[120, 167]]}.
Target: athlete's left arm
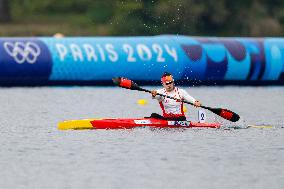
{"points": [[189, 98]]}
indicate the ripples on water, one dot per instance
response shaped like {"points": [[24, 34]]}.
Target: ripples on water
{"points": [[34, 154]]}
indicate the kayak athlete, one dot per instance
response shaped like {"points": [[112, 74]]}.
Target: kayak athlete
{"points": [[172, 109]]}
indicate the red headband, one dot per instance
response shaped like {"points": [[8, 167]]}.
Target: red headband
{"points": [[167, 79]]}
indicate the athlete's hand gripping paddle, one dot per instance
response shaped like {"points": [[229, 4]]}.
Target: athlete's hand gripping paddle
{"points": [[224, 113]]}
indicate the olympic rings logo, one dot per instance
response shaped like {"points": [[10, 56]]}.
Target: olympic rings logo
{"points": [[22, 52]]}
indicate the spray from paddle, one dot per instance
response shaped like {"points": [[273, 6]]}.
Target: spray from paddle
{"points": [[224, 113]]}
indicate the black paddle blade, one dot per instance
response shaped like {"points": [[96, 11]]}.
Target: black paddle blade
{"points": [[226, 114], [125, 83]]}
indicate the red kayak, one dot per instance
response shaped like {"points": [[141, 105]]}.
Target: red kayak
{"points": [[130, 123]]}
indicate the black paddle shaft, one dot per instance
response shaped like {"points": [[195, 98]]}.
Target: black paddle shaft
{"points": [[166, 96]]}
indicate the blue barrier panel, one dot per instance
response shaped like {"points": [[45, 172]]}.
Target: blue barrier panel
{"points": [[96, 59], [234, 59], [140, 58], [24, 60]]}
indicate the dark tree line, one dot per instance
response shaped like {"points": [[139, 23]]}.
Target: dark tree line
{"points": [[152, 17]]}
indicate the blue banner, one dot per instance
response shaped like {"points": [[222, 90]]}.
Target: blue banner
{"points": [[102, 58], [198, 59]]}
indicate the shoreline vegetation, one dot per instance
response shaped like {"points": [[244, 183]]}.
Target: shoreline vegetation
{"points": [[142, 17]]}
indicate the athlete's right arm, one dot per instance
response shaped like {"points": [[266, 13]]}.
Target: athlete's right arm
{"points": [[156, 96]]}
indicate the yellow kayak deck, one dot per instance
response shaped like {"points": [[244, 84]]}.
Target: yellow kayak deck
{"points": [[76, 124]]}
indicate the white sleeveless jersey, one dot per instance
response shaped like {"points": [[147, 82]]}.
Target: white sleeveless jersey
{"points": [[171, 106]]}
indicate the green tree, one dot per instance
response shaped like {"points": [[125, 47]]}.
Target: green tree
{"points": [[5, 15]]}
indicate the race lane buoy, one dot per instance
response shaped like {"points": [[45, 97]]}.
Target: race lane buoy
{"points": [[142, 102]]}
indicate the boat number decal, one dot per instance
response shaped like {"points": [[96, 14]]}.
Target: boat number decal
{"points": [[142, 122], [179, 123], [201, 116]]}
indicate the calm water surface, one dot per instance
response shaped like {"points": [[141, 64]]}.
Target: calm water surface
{"points": [[34, 154]]}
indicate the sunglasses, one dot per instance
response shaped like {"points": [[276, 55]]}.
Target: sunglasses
{"points": [[169, 83]]}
